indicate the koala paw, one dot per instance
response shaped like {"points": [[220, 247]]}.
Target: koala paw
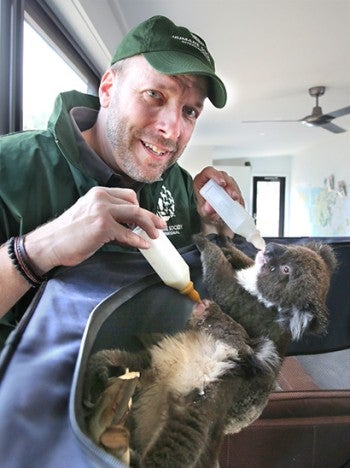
{"points": [[201, 241], [100, 369], [200, 310]]}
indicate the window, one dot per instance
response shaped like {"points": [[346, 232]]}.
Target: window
{"points": [[39, 58], [268, 205], [45, 75]]}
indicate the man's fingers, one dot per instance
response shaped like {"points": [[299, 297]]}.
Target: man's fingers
{"points": [[135, 216]]}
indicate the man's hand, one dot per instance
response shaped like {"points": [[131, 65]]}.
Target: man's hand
{"points": [[101, 216], [211, 222]]}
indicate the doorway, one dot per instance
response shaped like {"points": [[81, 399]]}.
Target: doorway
{"points": [[268, 205]]}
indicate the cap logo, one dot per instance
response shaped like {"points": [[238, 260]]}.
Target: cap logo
{"points": [[193, 43], [172, 50]]}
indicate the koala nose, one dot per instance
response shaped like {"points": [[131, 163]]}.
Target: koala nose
{"points": [[273, 250]]}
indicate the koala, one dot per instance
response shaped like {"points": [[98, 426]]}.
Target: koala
{"points": [[281, 294], [216, 375], [278, 296], [189, 383]]}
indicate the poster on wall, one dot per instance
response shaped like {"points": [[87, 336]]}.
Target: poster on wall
{"points": [[329, 208]]}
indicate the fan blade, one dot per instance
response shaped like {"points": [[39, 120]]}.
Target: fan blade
{"points": [[340, 112], [268, 121], [333, 128]]}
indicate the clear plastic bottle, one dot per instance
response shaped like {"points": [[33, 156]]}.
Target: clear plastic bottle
{"points": [[232, 213], [168, 264]]}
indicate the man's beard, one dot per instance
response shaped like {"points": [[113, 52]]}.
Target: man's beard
{"points": [[118, 136]]}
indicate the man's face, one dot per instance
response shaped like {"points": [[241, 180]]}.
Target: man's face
{"points": [[150, 118]]}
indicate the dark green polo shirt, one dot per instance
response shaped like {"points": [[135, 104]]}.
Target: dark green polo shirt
{"points": [[43, 173]]}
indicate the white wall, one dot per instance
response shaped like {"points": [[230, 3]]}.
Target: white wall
{"points": [[196, 158], [311, 209], [315, 210]]}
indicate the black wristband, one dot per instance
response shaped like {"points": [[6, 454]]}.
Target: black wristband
{"points": [[19, 257]]}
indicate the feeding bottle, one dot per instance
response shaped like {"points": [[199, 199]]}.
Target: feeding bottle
{"points": [[232, 213], [168, 263]]}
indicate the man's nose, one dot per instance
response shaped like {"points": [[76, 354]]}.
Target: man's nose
{"points": [[169, 123]]}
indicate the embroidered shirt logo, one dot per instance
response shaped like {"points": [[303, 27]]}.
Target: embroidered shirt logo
{"points": [[166, 204]]}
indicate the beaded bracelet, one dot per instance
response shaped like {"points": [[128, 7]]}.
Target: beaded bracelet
{"points": [[19, 257]]}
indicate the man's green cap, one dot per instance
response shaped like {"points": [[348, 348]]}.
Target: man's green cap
{"points": [[172, 50]]}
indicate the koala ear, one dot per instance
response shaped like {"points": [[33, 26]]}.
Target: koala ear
{"points": [[326, 253]]}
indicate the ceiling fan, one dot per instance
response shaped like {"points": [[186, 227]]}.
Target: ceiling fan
{"points": [[316, 118]]}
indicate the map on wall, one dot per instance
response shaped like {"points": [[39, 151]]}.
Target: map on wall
{"points": [[329, 208]]}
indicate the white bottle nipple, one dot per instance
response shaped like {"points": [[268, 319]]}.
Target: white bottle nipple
{"points": [[257, 240]]}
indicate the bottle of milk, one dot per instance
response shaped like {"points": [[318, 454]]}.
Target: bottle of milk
{"points": [[168, 264], [232, 213]]}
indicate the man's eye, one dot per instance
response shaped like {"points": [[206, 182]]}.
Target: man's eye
{"points": [[190, 112], [153, 94]]}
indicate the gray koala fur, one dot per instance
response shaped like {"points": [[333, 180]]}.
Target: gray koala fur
{"points": [[215, 376]]}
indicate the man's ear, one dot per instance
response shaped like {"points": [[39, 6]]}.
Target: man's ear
{"points": [[106, 86]]}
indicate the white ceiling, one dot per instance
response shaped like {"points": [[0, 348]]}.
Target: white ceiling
{"points": [[268, 53]]}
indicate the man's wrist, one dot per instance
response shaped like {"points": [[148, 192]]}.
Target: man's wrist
{"points": [[18, 255], [39, 251]]}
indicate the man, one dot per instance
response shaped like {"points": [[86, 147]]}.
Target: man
{"points": [[105, 165]]}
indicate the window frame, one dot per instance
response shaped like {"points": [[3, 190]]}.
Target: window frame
{"points": [[45, 22], [282, 197], [11, 59]]}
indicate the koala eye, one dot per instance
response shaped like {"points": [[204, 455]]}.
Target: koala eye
{"points": [[272, 268], [285, 269]]}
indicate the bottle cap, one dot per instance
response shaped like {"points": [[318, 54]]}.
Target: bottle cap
{"points": [[257, 240], [190, 292]]}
